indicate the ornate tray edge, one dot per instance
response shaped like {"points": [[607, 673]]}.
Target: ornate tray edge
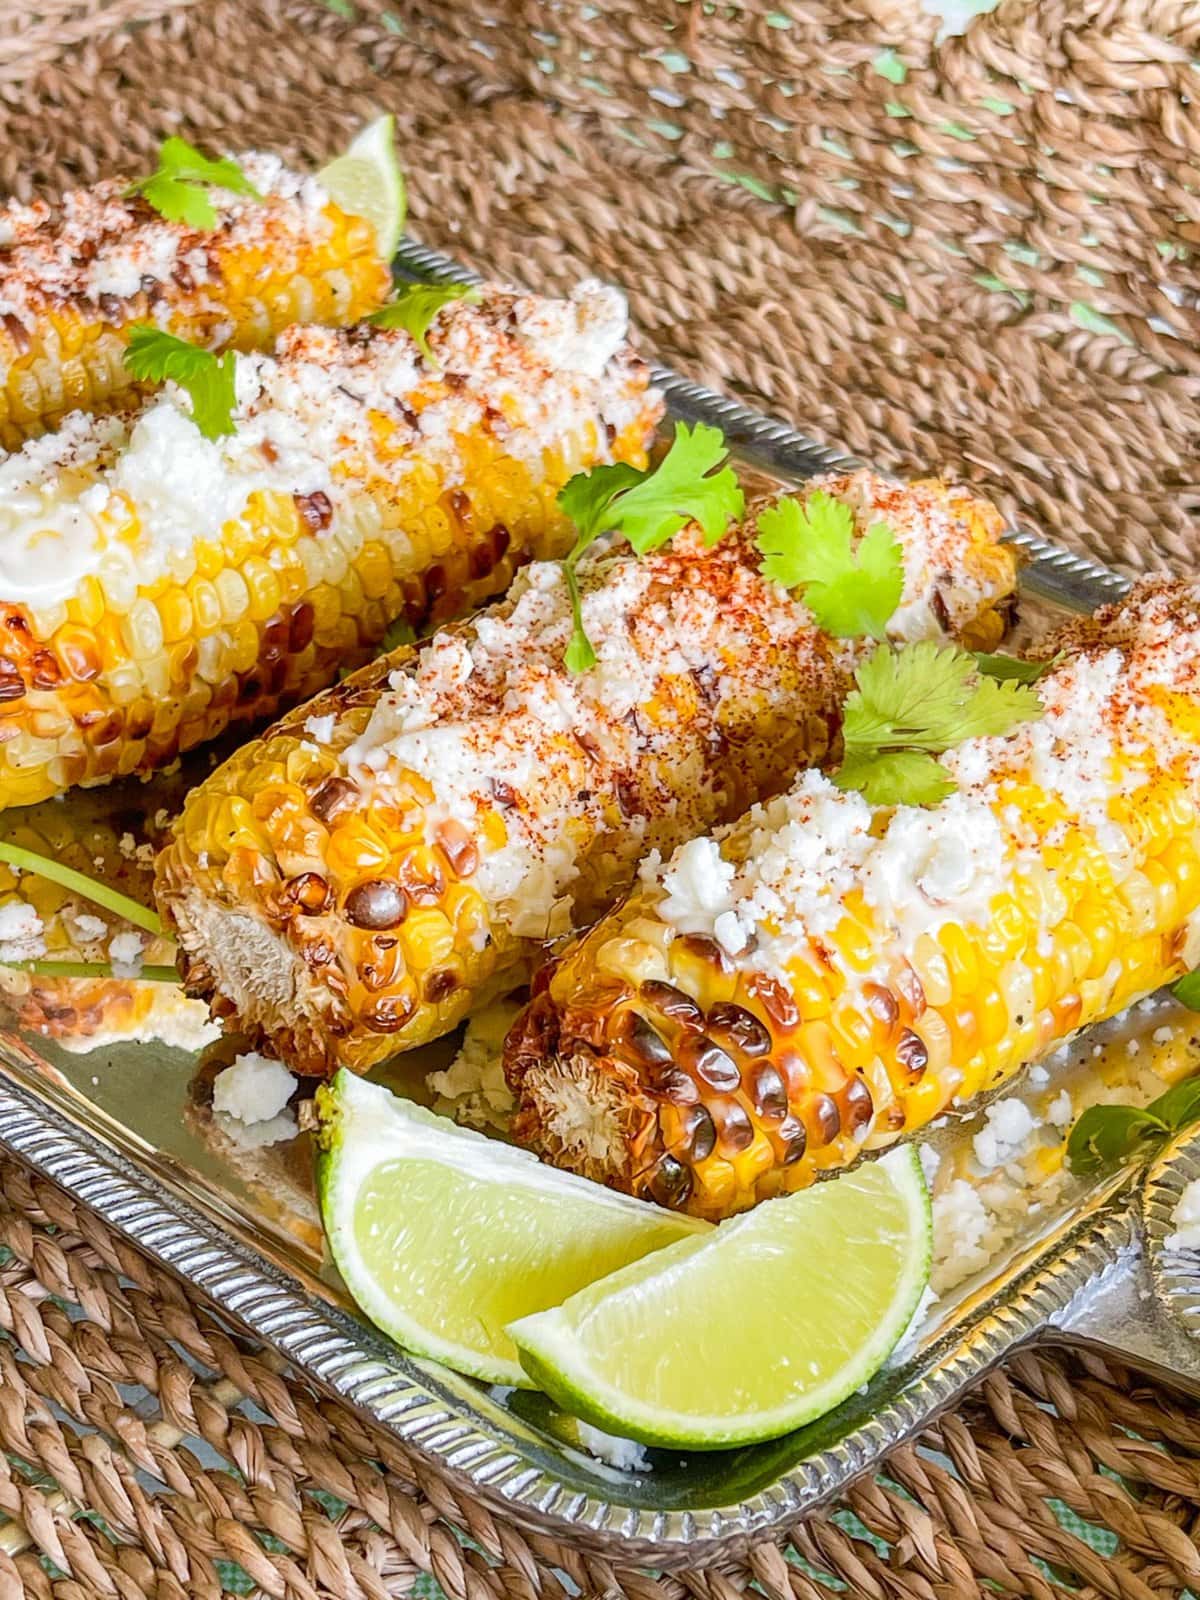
{"points": [[334, 1352]]}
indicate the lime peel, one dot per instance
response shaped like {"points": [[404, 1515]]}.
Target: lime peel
{"points": [[366, 181], [751, 1331], [444, 1237]]}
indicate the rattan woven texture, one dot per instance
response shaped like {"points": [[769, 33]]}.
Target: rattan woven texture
{"points": [[979, 255]]}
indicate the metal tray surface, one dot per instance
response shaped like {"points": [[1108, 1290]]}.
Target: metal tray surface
{"points": [[125, 1130]]}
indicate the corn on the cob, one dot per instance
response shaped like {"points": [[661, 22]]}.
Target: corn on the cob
{"points": [[76, 274], [155, 585], [112, 840], [824, 977], [352, 883]]}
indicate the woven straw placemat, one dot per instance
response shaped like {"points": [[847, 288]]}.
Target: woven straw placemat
{"points": [[977, 255]]}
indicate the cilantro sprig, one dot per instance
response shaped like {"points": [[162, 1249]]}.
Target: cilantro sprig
{"points": [[851, 590], [1104, 1136], [209, 380], [1007, 668], [692, 483], [178, 188], [909, 706], [415, 307]]}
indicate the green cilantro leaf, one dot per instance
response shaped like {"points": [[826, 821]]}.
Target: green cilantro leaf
{"points": [[178, 188], [1103, 1136], [209, 380], [897, 777], [930, 696], [1005, 668], [916, 702], [689, 484], [1106, 1135], [415, 307], [851, 591], [588, 498], [1179, 1105], [1187, 991]]}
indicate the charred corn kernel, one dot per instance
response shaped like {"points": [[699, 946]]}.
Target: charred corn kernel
{"points": [[74, 277], [473, 795], [1048, 914], [282, 554]]}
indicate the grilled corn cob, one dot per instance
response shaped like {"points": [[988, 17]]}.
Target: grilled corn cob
{"points": [[349, 885], [155, 585], [824, 977], [75, 275], [112, 840]]}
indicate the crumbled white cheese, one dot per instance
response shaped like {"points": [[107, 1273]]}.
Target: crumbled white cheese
{"points": [[328, 414], [1186, 1217], [321, 728], [254, 1089], [125, 953], [930, 1162], [1061, 1109], [473, 1089], [962, 1231], [21, 932], [84, 927], [1006, 1130], [624, 1454]]}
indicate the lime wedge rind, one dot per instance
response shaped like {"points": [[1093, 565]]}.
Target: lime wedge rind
{"points": [[367, 182], [337, 1168], [556, 1357], [517, 1235]]}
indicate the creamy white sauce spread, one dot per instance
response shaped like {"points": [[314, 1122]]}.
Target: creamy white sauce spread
{"points": [[132, 496]]}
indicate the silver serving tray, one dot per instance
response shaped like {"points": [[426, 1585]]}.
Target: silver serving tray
{"points": [[123, 1131]]}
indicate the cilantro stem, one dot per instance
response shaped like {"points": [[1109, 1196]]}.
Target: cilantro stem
{"points": [[580, 655], [89, 969], [13, 855]]}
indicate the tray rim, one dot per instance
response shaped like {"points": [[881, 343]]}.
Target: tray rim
{"points": [[345, 1358]]}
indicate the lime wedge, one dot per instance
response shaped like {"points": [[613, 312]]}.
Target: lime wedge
{"points": [[751, 1330], [367, 182], [444, 1237]]}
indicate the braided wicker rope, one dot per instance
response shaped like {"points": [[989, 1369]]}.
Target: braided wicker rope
{"points": [[978, 254]]}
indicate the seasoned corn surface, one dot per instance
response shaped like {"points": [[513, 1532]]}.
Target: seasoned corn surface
{"points": [[351, 884], [76, 273], [825, 977], [159, 586]]}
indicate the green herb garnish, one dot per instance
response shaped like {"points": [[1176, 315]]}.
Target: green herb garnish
{"points": [[910, 705], [90, 969], [209, 380], [1013, 669], [851, 590], [415, 307], [14, 855], [178, 188], [692, 483], [1187, 990], [1104, 1136]]}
